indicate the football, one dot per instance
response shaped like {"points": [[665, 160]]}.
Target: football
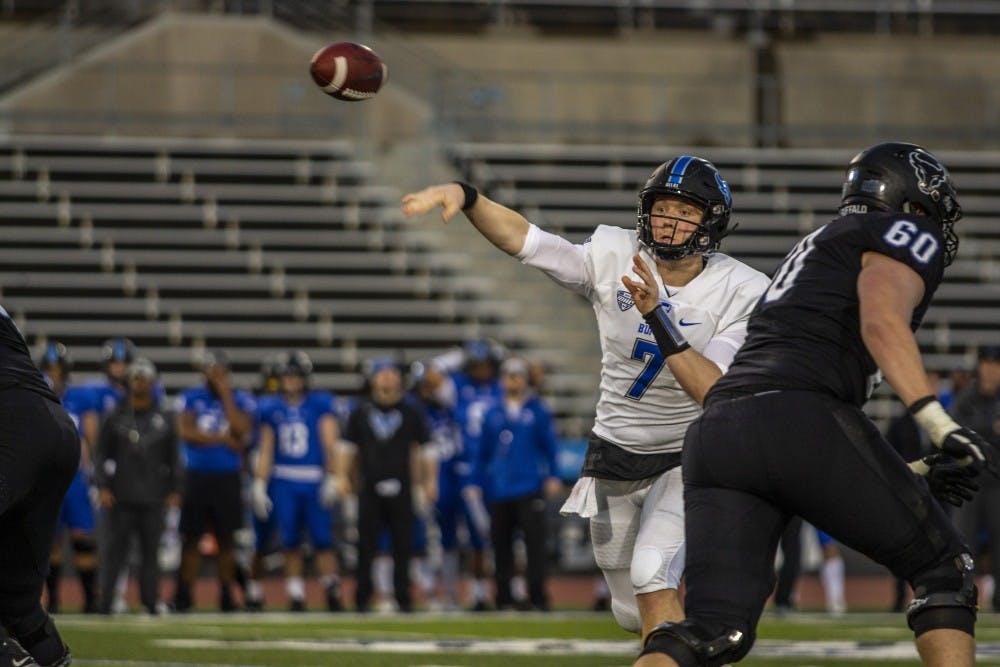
{"points": [[348, 71]]}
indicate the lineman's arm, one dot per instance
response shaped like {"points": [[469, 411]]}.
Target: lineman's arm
{"points": [[888, 292], [503, 227]]}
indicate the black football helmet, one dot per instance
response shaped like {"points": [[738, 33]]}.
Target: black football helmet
{"points": [[295, 362], [898, 176], [698, 181], [55, 354]]}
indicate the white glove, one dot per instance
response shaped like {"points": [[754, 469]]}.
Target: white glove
{"points": [[328, 490], [259, 499]]}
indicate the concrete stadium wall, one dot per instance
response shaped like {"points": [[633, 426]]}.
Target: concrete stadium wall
{"points": [[946, 87], [204, 76], [690, 85]]}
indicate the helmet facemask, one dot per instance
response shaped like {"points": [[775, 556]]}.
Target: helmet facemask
{"points": [[695, 181], [700, 240]]}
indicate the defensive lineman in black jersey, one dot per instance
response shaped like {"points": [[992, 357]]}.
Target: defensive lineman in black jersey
{"points": [[783, 433], [39, 453]]}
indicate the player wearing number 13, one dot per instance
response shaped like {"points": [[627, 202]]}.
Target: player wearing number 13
{"points": [[298, 440], [630, 487], [783, 432]]}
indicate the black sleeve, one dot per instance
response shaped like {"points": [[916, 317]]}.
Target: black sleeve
{"points": [[104, 451], [351, 427], [175, 479], [421, 430]]}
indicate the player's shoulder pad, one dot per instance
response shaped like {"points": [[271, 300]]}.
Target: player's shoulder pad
{"points": [[739, 276], [612, 245]]}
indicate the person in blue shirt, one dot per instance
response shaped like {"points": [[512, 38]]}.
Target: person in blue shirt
{"points": [[214, 424], [77, 514], [517, 463], [458, 504], [298, 440]]}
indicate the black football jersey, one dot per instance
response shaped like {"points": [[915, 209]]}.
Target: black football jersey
{"points": [[16, 367], [805, 332]]}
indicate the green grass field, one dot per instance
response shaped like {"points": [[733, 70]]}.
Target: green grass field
{"points": [[476, 640]]}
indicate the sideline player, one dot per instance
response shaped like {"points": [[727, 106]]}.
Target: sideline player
{"points": [[76, 514], [297, 457], [630, 486], [783, 432], [458, 502], [39, 454]]}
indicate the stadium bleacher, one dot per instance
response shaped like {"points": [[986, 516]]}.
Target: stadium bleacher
{"points": [[197, 244]]}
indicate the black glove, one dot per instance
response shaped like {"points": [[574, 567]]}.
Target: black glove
{"points": [[950, 481], [951, 437], [966, 443]]}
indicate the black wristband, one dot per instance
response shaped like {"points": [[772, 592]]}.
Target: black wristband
{"points": [[668, 338], [471, 195], [916, 405]]}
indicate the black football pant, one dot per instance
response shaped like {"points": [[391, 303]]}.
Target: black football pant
{"points": [[39, 454], [374, 513], [788, 574], [146, 522], [528, 514], [752, 463]]}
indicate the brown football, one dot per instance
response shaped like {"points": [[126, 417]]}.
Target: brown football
{"points": [[348, 71]]}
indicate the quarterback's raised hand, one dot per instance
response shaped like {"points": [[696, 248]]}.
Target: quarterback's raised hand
{"points": [[950, 437], [950, 481], [645, 292], [449, 196]]}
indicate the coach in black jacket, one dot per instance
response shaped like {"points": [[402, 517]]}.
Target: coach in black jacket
{"points": [[138, 472]]}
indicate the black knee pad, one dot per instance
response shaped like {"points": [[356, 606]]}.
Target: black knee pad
{"points": [[692, 645], [944, 597]]}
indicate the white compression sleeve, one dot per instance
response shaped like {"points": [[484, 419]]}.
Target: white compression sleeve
{"points": [[559, 259]]}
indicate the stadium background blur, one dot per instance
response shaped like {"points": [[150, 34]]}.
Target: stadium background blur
{"points": [[169, 173]]}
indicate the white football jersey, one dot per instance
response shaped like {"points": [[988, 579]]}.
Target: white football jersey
{"points": [[642, 407]]}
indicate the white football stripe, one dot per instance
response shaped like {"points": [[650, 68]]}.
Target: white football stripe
{"points": [[339, 75]]}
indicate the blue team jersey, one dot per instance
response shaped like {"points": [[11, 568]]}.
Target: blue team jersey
{"points": [[298, 451], [210, 417], [78, 400], [468, 390]]}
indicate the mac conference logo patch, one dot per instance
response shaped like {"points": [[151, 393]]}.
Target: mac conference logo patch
{"points": [[624, 300]]}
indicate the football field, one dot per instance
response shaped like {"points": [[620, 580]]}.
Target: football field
{"points": [[571, 639]]}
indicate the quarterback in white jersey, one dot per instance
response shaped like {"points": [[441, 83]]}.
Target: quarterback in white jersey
{"points": [[630, 487]]}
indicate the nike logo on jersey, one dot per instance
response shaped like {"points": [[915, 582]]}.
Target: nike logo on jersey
{"points": [[687, 324], [23, 661]]}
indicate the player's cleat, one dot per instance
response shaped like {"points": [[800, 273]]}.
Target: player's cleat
{"points": [[297, 605], [601, 604], [13, 655], [254, 605], [480, 605], [182, 599], [226, 603], [65, 660], [333, 602]]}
